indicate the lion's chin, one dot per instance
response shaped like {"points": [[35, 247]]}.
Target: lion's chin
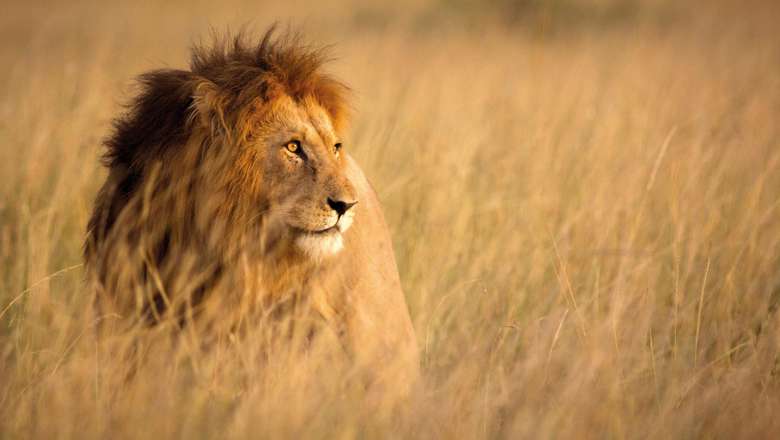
{"points": [[320, 245]]}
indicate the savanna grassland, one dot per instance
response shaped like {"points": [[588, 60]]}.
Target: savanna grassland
{"points": [[584, 198]]}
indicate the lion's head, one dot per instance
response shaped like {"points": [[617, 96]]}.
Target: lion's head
{"points": [[248, 141], [295, 150]]}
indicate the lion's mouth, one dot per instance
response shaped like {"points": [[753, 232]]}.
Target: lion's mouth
{"points": [[334, 231], [326, 231], [334, 228]]}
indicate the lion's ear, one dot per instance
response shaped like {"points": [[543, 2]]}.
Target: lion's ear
{"points": [[209, 106]]}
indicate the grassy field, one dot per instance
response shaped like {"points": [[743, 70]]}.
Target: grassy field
{"points": [[584, 198]]}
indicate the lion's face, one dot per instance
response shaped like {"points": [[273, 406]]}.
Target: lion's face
{"points": [[305, 188]]}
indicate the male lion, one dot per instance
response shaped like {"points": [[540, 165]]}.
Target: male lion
{"points": [[230, 196]]}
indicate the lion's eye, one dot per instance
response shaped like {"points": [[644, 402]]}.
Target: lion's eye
{"points": [[337, 147], [293, 146]]}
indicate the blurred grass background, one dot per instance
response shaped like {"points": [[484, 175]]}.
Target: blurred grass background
{"points": [[583, 196]]}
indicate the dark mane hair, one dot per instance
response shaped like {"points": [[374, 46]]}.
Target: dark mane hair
{"points": [[227, 81]]}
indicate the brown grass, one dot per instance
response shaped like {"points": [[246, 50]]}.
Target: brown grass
{"points": [[584, 198]]}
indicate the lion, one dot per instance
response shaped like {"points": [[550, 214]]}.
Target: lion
{"points": [[230, 188]]}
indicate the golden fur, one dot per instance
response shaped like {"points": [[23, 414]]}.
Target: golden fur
{"points": [[228, 191]]}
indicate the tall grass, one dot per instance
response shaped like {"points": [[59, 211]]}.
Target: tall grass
{"points": [[586, 216]]}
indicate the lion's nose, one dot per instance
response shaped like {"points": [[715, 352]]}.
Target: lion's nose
{"points": [[340, 206]]}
